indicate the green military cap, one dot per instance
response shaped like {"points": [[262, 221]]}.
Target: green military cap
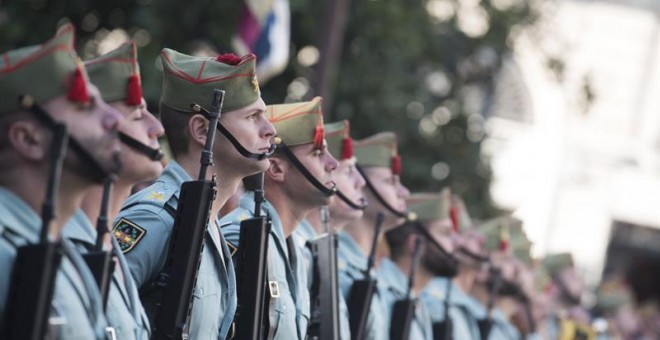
{"points": [[117, 75], [298, 123], [496, 233], [43, 72], [188, 79], [379, 150], [429, 206], [557, 262], [338, 136]]}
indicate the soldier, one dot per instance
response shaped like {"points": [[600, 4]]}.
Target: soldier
{"points": [[437, 294], [432, 213], [117, 76], [298, 181], [144, 224], [570, 319], [346, 207], [380, 164], [505, 303], [61, 94]]}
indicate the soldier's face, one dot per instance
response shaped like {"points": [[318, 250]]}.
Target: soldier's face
{"points": [[143, 126], [390, 188], [350, 183], [320, 163], [251, 128], [94, 126]]}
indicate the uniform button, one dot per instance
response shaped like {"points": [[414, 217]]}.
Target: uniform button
{"points": [[201, 291]]}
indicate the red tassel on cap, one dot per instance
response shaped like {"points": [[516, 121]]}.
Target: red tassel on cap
{"points": [[319, 135], [229, 59], [453, 213], [347, 149], [134, 91], [396, 165], [78, 88]]}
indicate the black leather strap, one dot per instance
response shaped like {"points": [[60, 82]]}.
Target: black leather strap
{"points": [[151, 153], [296, 162], [380, 198]]}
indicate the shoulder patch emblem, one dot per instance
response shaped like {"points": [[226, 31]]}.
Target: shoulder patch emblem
{"points": [[128, 234], [232, 249]]}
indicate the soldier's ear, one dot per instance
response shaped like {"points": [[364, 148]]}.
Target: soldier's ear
{"points": [[29, 140], [198, 127], [276, 169]]}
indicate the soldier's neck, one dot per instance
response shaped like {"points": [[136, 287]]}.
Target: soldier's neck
{"points": [[290, 212], [465, 278], [508, 306], [362, 231], [92, 203], [422, 279], [226, 185], [480, 292]]}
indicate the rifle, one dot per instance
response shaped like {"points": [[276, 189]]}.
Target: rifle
{"points": [[442, 330], [100, 261], [35, 268], [187, 240], [362, 291], [251, 271], [403, 310], [325, 295], [486, 324]]}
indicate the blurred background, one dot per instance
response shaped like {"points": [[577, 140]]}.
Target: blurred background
{"points": [[546, 109]]}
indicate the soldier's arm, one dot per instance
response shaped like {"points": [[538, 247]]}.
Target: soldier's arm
{"points": [[143, 234]]}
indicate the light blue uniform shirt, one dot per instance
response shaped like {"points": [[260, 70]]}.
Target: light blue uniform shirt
{"points": [[289, 313], [352, 263], [394, 286], [124, 310], [304, 233], [143, 229], [502, 329], [76, 298], [462, 308]]}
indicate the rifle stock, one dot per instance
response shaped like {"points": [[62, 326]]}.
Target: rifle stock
{"points": [[35, 268], [187, 241], [362, 291], [252, 273], [324, 323]]}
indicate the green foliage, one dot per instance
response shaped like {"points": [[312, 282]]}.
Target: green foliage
{"points": [[401, 69]]}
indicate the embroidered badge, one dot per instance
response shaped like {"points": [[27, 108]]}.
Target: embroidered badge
{"points": [[232, 248], [128, 234], [156, 196], [243, 217], [255, 84]]}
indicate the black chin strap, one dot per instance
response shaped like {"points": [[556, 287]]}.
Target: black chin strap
{"points": [[28, 103], [361, 206], [449, 256], [380, 198], [472, 255], [151, 153], [237, 145], [296, 162]]}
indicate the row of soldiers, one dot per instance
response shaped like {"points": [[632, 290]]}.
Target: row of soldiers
{"points": [[346, 252]]}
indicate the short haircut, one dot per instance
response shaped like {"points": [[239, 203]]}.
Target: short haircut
{"points": [[175, 123]]}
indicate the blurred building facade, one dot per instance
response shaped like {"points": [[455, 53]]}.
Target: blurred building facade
{"points": [[574, 136]]}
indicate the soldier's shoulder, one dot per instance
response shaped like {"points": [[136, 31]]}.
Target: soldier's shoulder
{"points": [[156, 195], [230, 226]]}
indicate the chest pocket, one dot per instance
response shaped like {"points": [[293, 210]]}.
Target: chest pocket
{"points": [[207, 302]]}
